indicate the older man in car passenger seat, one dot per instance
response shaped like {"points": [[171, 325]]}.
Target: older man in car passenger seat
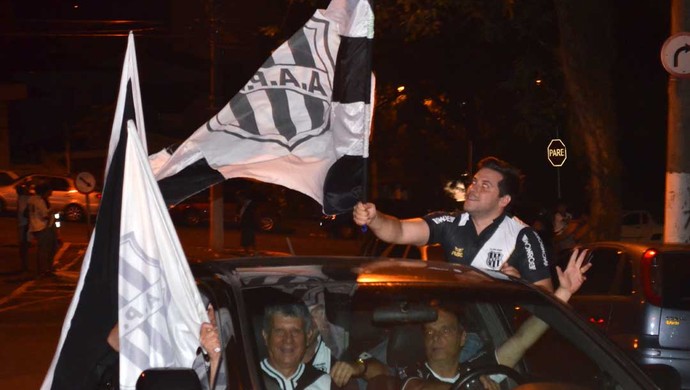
{"points": [[286, 329]]}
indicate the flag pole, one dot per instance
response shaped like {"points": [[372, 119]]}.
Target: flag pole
{"points": [[370, 118]]}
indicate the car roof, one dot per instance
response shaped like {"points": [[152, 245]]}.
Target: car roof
{"points": [[256, 271]]}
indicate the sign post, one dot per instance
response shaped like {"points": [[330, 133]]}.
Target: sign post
{"points": [[675, 57], [85, 183], [556, 153]]}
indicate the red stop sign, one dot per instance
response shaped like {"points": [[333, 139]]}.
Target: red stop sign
{"points": [[556, 152]]}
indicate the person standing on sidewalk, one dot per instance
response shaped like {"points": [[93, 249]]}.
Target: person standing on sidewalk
{"points": [[23, 225], [42, 227], [247, 221]]}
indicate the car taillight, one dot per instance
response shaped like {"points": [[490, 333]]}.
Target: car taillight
{"points": [[650, 272]]}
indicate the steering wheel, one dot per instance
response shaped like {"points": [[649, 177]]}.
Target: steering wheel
{"points": [[474, 373]]}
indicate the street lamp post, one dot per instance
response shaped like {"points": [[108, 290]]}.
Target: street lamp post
{"points": [[216, 233]]}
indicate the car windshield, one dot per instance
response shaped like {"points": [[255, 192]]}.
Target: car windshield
{"points": [[393, 322]]}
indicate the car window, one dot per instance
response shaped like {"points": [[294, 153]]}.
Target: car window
{"points": [[59, 184], [676, 277], [644, 219], [625, 282], [631, 219], [5, 179], [601, 277], [387, 322]]}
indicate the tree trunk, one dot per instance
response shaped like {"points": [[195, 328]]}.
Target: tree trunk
{"points": [[587, 53]]}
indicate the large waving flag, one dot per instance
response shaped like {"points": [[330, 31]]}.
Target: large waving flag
{"points": [[134, 276], [302, 121]]}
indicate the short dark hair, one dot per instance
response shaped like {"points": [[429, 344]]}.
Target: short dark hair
{"points": [[450, 307], [298, 310], [511, 184], [42, 188]]}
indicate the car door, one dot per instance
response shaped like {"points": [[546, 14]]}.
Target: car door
{"points": [[9, 196], [594, 299], [624, 300]]}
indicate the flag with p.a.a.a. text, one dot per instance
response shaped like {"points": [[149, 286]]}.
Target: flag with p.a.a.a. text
{"points": [[302, 121]]}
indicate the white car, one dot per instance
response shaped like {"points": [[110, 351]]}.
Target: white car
{"points": [[71, 203], [639, 225]]}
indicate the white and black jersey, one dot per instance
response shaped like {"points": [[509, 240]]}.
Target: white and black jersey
{"points": [[421, 370], [306, 377], [506, 239]]}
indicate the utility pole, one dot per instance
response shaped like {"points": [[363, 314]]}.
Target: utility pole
{"points": [[216, 232], [677, 61]]}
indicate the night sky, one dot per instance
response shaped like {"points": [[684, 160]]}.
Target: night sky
{"points": [[73, 80]]}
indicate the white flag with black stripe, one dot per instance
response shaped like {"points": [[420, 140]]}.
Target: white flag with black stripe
{"points": [[160, 309], [303, 116], [134, 276]]}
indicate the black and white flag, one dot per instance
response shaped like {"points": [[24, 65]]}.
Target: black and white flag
{"points": [[134, 276], [302, 121]]}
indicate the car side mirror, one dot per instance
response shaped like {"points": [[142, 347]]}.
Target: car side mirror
{"points": [[168, 379], [666, 377]]}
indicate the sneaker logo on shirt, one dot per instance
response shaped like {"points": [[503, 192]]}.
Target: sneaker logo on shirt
{"points": [[493, 259], [458, 252]]}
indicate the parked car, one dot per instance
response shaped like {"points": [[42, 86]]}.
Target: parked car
{"points": [[339, 225], [195, 211], [369, 303], [639, 225], [65, 197], [7, 177], [639, 295]]}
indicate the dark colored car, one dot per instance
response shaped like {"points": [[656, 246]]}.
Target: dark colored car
{"points": [[639, 295], [195, 211], [379, 307]]}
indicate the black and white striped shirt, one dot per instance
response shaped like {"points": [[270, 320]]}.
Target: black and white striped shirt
{"points": [[306, 377]]}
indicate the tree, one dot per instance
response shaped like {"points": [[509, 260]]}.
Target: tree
{"points": [[587, 60]]}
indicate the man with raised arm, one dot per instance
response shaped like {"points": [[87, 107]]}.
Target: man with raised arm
{"points": [[485, 235]]}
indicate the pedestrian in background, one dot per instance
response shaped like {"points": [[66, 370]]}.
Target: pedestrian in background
{"points": [[247, 221], [42, 228], [23, 225], [561, 218]]}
